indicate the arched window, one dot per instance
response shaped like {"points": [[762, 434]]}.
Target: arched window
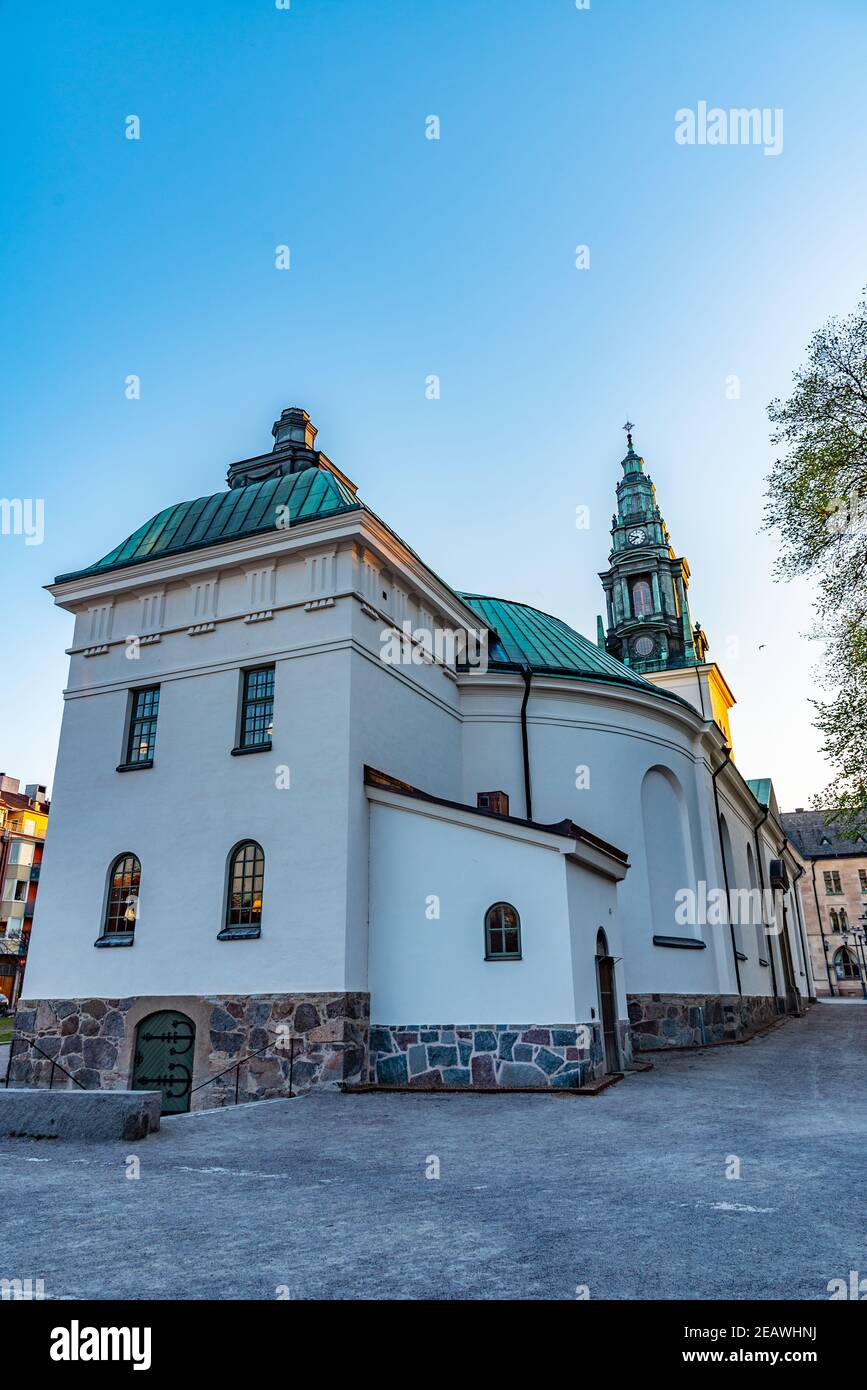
{"points": [[845, 965], [121, 907], [502, 933], [834, 923], [244, 895], [642, 599], [667, 852]]}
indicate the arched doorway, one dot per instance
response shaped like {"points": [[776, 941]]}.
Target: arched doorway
{"points": [[163, 1058], [607, 1002]]}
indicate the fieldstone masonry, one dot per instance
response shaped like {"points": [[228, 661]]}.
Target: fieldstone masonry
{"points": [[93, 1039], [502, 1055], [692, 1020]]}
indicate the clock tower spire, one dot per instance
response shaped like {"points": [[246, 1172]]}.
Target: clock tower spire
{"points": [[649, 625]]}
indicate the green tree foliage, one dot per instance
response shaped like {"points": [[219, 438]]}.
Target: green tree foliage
{"points": [[817, 501]]}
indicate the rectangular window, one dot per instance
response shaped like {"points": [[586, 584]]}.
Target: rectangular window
{"points": [[862, 874], [257, 709], [21, 852], [832, 881], [143, 725]]}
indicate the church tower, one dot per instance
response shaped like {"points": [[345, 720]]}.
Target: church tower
{"points": [[646, 592], [649, 626]]}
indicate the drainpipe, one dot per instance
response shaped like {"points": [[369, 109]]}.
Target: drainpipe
{"points": [[714, 776], [700, 693], [760, 861], [801, 940], [822, 930], [525, 742], [808, 959]]}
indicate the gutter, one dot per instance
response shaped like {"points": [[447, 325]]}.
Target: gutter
{"points": [[525, 742], [714, 776], [822, 929], [760, 859]]}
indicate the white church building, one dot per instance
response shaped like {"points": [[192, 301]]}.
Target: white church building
{"points": [[346, 824]]}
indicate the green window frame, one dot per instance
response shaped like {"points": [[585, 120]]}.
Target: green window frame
{"points": [[502, 932], [245, 890], [121, 908], [142, 737], [257, 708]]}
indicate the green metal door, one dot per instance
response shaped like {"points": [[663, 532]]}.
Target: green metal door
{"points": [[163, 1059]]}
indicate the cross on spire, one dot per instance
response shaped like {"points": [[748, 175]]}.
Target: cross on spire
{"points": [[629, 427]]}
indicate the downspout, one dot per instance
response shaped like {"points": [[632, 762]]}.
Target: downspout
{"points": [[714, 776], [808, 959], [525, 742], [760, 860], [801, 942], [822, 930], [700, 693]]}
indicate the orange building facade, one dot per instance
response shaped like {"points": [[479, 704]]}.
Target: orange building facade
{"points": [[23, 825]]}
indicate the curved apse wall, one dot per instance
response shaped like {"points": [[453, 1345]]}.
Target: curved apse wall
{"points": [[667, 849]]}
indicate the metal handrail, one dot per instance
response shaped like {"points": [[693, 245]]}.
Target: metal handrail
{"points": [[236, 1068], [22, 1037]]}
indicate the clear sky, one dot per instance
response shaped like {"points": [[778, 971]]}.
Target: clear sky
{"points": [[305, 126]]}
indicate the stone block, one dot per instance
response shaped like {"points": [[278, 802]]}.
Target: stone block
{"points": [[548, 1061], [89, 1116], [521, 1074], [391, 1071]]}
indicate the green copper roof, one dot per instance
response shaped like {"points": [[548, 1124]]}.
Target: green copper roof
{"points": [[527, 637], [241, 511], [760, 788]]}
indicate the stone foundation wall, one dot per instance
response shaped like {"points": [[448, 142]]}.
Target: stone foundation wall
{"points": [[691, 1020], [506, 1055], [94, 1040]]}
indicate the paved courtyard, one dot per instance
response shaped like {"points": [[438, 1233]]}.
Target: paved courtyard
{"points": [[626, 1193]]}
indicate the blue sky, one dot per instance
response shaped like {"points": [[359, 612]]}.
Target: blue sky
{"points": [[411, 257]]}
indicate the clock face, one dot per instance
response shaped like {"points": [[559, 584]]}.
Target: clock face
{"points": [[637, 537]]}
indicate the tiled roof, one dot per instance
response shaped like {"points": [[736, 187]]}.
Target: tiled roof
{"points": [[17, 801], [240, 511], [815, 837], [527, 637]]}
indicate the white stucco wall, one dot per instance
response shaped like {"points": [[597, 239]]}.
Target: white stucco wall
{"points": [[618, 739], [426, 970], [337, 706]]}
